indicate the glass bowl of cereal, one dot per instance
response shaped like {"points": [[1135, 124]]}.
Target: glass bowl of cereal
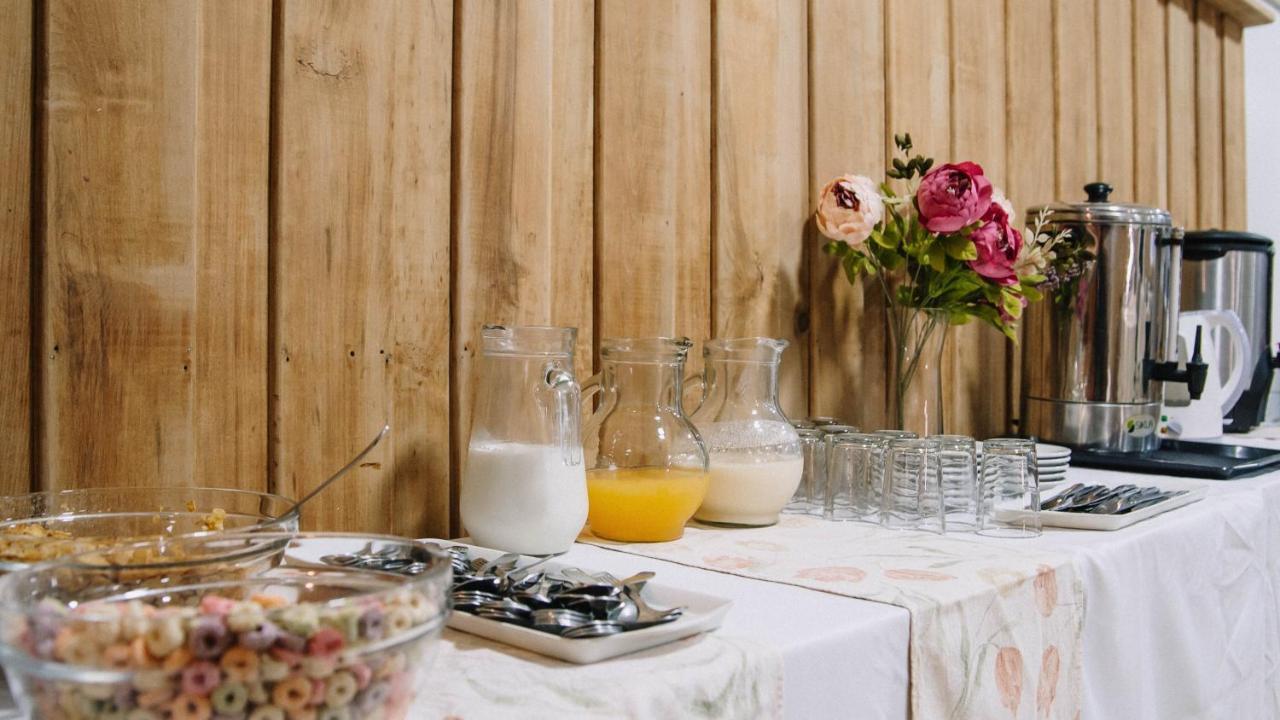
{"points": [[262, 626], [47, 525]]}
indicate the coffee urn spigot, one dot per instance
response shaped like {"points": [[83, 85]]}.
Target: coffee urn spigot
{"points": [[1193, 375]]}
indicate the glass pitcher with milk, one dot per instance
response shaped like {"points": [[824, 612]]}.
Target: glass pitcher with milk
{"points": [[524, 489], [756, 459]]}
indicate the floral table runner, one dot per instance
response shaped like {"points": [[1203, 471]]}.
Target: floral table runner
{"points": [[702, 677], [996, 627]]}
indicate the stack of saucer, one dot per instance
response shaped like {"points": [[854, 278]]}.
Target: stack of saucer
{"points": [[1052, 461]]}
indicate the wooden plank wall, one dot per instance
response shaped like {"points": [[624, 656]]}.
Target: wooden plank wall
{"points": [[236, 238]]}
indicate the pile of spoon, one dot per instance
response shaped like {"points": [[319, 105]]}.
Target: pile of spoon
{"points": [[1107, 500], [568, 602]]}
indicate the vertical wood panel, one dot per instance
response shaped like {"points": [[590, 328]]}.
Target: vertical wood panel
{"points": [[1028, 54], [761, 199], [977, 364], [918, 100], [153, 183], [1180, 24], [522, 187], [1208, 108], [653, 157], [1150, 105], [1030, 102], [360, 229], [16, 28], [1116, 96], [849, 339], [1076, 98], [230, 363], [1233, 131]]}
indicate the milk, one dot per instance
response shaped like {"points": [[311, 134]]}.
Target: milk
{"points": [[522, 498], [749, 489]]}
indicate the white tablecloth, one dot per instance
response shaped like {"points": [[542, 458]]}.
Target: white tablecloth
{"points": [[1182, 618]]}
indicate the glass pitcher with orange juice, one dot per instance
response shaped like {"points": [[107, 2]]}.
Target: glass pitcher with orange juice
{"points": [[649, 472]]}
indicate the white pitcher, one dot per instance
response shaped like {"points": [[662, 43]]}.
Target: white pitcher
{"points": [[1202, 418]]}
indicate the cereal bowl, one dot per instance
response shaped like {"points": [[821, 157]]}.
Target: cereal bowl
{"points": [[47, 525], [263, 626]]}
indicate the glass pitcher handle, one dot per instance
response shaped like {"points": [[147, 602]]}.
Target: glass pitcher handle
{"points": [[701, 380], [568, 413]]}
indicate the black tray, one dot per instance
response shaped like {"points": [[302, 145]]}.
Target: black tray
{"points": [[1185, 459]]}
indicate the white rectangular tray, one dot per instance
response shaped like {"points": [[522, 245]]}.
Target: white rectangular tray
{"points": [[1088, 521], [702, 613]]}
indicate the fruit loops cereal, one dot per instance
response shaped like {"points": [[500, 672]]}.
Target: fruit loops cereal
{"points": [[260, 659]]}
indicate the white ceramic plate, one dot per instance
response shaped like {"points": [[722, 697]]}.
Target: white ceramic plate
{"points": [[703, 613], [1087, 521]]}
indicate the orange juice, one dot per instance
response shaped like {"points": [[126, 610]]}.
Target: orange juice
{"points": [[647, 504]]}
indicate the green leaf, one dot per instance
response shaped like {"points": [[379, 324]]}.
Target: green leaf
{"points": [[1031, 294], [1030, 280], [959, 247], [936, 257], [1012, 303]]}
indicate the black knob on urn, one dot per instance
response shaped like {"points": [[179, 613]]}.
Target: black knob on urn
{"points": [[1098, 192]]}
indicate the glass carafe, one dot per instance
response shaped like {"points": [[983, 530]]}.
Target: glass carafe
{"points": [[524, 488], [648, 465], [756, 460]]}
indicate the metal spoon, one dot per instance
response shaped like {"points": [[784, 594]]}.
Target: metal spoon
{"points": [[595, 628], [296, 510]]}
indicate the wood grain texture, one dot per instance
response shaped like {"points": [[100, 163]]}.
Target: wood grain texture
{"points": [[1234, 193], [1029, 102], [154, 181], [760, 280], [653, 162], [1115, 78], [1208, 109], [978, 362], [849, 338], [918, 100], [522, 187], [1150, 105], [1180, 64], [16, 38], [229, 367], [1029, 107], [1075, 57], [360, 227], [1246, 13]]}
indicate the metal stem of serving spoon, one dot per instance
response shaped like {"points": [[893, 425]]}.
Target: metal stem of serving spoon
{"points": [[296, 510]]}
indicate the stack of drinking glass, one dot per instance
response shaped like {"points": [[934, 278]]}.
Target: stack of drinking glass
{"points": [[901, 481]]}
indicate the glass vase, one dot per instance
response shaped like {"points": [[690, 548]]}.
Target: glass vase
{"points": [[919, 338]]}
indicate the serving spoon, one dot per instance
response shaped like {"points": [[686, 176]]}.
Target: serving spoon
{"points": [[296, 510]]}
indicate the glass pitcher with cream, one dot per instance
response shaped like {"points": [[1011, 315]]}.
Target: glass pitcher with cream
{"points": [[756, 460], [524, 487], [648, 465]]}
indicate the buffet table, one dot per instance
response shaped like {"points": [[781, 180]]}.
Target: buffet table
{"points": [[1182, 620]]}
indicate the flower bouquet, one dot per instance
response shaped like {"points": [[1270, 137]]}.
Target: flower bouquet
{"points": [[943, 253]]}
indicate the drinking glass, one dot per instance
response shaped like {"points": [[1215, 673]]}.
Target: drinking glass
{"points": [[855, 464], [835, 429], [812, 448], [957, 458], [820, 421], [1009, 504], [803, 425], [912, 496], [896, 434]]}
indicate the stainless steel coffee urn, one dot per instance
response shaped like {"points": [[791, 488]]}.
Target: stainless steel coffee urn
{"points": [[1098, 348]]}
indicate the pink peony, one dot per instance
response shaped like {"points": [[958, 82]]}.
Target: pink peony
{"points": [[849, 209], [952, 196], [998, 244]]}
